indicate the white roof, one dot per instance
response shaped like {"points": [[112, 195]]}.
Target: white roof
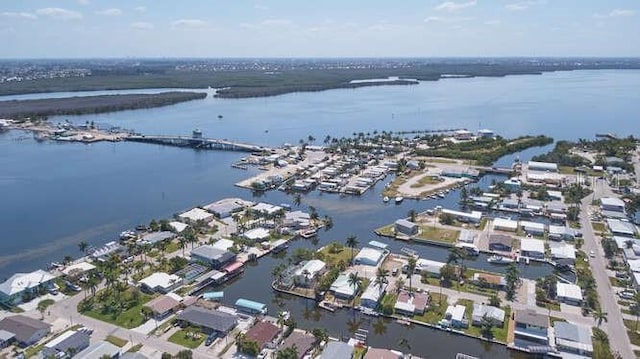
{"points": [[505, 223], [21, 281], [634, 265], [555, 194], [373, 292], [612, 201], [405, 306], [160, 279], [532, 225], [81, 267], [313, 266], [368, 254], [559, 230], [266, 207], [178, 226], [532, 245], [196, 214], [341, 286], [621, 227], [471, 215], [427, 265], [456, 312], [570, 291], [480, 310], [257, 233], [223, 244], [543, 165], [562, 250]]}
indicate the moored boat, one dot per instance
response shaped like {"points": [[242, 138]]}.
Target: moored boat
{"points": [[497, 259], [399, 199], [385, 199]]}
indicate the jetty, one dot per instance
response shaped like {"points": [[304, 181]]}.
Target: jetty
{"points": [[198, 142]]}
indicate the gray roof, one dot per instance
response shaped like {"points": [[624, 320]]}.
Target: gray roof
{"points": [[212, 319], [97, 350], [23, 327], [337, 350], [77, 340], [531, 317], [155, 237], [5, 336], [502, 239], [480, 310], [405, 223], [210, 252], [572, 332], [302, 341]]}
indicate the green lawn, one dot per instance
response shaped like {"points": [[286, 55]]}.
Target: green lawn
{"points": [[499, 333], [386, 230], [188, 337], [172, 247], [333, 258], [598, 226], [426, 180], [438, 234], [634, 336], [135, 348], [435, 311], [129, 318], [119, 342]]}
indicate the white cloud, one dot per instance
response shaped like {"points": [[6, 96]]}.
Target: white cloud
{"points": [[110, 12], [523, 5], [140, 8], [188, 24], [19, 15], [447, 19], [59, 13], [455, 6], [141, 25], [615, 13]]}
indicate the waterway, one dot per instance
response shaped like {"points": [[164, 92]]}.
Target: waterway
{"points": [[55, 195]]}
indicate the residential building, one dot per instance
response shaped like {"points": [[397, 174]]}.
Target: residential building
{"points": [[78, 269], [503, 224], [24, 286], [263, 333], [302, 341], [212, 321], [542, 166], [466, 217], [337, 350], [563, 253], [380, 353], [402, 226], [100, 349], [161, 282], [493, 313], [411, 303], [573, 338], [455, 315], [372, 295], [621, 228], [432, 268], [309, 272], [513, 184], [68, 342], [486, 133], [297, 219], [533, 228], [369, 256], [569, 293], [341, 288], [531, 328], [532, 248], [26, 330], [156, 237], [194, 215], [226, 207], [212, 256], [257, 234], [500, 242], [6, 338], [489, 280], [162, 306], [612, 204]]}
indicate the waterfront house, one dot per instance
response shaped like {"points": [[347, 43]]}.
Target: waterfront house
{"points": [[465, 217], [309, 272], [372, 295], [381, 353], [612, 204], [266, 208], [162, 306], [26, 330], [160, 282], [569, 293], [402, 226], [342, 289], [411, 303], [489, 280], [509, 204], [264, 333], [500, 242], [100, 349], [337, 350], [503, 224], [544, 178], [486, 133], [24, 286], [493, 313], [214, 257], [178, 227], [531, 328], [513, 184], [533, 228], [455, 315], [563, 253], [573, 338], [429, 267], [194, 215], [79, 269], [251, 307], [211, 321], [368, 256], [223, 244], [301, 340], [68, 342], [466, 236], [542, 166], [257, 234], [463, 135], [532, 248], [226, 207], [156, 237], [297, 219]]}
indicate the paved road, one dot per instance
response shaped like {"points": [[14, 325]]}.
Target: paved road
{"points": [[614, 326]]}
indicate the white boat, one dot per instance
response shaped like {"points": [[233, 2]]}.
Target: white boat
{"points": [[440, 194], [399, 199], [500, 260], [385, 199]]}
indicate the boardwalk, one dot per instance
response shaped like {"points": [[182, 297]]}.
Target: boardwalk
{"points": [[199, 143]]}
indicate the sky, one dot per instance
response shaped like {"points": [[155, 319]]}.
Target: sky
{"points": [[320, 28]]}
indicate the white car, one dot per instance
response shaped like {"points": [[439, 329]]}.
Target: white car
{"points": [[592, 254]]}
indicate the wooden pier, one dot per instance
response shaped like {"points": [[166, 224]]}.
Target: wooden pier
{"points": [[198, 142]]}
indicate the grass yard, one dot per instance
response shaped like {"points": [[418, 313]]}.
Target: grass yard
{"points": [[424, 181], [435, 311], [130, 318], [333, 258], [119, 342], [598, 226], [188, 337], [438, 234], [134, 349], [386, 230]]}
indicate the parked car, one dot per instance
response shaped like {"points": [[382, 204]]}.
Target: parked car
{"points": [[72, 286], [53, 289], [626, 294], [622, 275], [211, 338], [592, 254]]}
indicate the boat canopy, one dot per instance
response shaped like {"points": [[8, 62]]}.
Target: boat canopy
{"points": [[213, 295]]}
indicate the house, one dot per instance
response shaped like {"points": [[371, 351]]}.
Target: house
{"points": [[100, 349], [226, 207], [380, 353], [161, 282], [563, 253], [513, 184], [156, 237], [212, 321], [251, 307], [194, 215], [337, 350], [542, 166], [223, 244], [621, 228], [463, 135], [27, 331], [455, 314], [532, 248], [297, 219], [6, 338], [68, 342], [503, 224], [178, 227], [212, 256], [372, 295], [493, 313], [573, 338], [558, 233], [368, 256], [24, 286], [533, 228], [257, 234], [78, 269], [510, 203], [556, 196], [486, 133], [411, 303], [500, 242], [612, 204], [263, 333], [569, 293], [489, 280], [402, 226], [301, 340], [341, 288], [266, 208], [162, 306], [308, 273], [531, 328], [429, 267], [466, 217]]}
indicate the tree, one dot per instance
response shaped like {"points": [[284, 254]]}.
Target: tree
{"points": [[43, 305], [354, 281], [184, 354], [486, 327], [183, 244], [352, 242], [447, 274], [154, 226], [82, 246], [599, 316], [447, 219], [512, 277], [494, 301], [381, 278], [399, 285], [320, 334], [455, 255], [288, 353], [411, 268], [412, 215]]}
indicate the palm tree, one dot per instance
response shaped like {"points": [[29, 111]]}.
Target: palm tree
{"points": [[599, 316], [183, 244], [399, 285], [411, 267], [82, 246], [354, 281], [381, 278], [282, 318], [352, 242], [454, 255], [297, 199]]}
